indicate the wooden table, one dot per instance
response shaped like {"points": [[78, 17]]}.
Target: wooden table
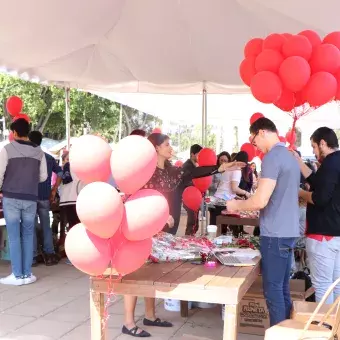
{"points": [[181, 281], [230, 220]]}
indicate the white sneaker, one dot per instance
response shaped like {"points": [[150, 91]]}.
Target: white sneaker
{"points": [[29, 280], [11, 280]]}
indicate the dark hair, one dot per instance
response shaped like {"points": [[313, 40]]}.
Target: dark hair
{"points": [[35, 137], [195, 149], [138, 132], [262, 124], [242, 156], [157, 139], [21, 127], [232, 156], [223, 153], [254, 171], [326, 134]]}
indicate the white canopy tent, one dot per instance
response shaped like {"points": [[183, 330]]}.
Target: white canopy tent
{"points": [[150, 46], [155, 46]]}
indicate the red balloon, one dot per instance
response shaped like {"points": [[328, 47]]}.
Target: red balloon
{"points": [[178, 164], [268, 60], [295, 73], [156, 130], [266, 87], [282, 139], [255, 117], [250, 150], [206, 157], [326, 57], [274, 42], [291, 137], [332, 38], [287, 101], [247, 69], [297, 45], [21, 116], [202, 184], [192, 198], [14, 105], [253, 47], [287, 35], [337, 77], [312, 36], [300, 97], [321, 88]]}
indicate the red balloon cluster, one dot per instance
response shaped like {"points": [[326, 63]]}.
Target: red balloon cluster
{"points": [[113, 232], [291, 70]]}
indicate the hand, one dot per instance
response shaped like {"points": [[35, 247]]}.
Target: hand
{"points": [[52, 195], [232, 206], [247, 194], [171, 222], [295, 154], [231, 166]]}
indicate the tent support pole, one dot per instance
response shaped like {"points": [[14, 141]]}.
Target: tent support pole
{"points": [[204, 209], [120, 122], [67, 117]]}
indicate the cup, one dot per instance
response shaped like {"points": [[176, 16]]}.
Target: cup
{"points": [[212, 230]]}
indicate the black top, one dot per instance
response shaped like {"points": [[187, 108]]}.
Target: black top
{"points": [[323, 217], [188, 167]]}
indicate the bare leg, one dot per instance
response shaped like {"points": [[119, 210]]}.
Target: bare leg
{"points": [[129, 311], [150, 309]]}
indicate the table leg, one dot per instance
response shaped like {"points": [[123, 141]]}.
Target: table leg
{"points": [[184, 309], [230, 322], [97, 308]]}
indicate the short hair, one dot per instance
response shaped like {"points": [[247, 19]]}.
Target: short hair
{"points": [[326, 134], [138, 132], [35, 137], [195, 149], [21, 127], [262, 124]]}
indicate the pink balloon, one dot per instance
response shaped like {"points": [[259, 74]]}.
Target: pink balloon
{"points": [[118, 239], [100, 208], [87, 252], [131, 256], [90, 159], [147, 212], [133, 163]]}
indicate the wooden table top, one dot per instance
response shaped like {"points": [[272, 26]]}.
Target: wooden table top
{"points": [[231, 220], [184, 281]]}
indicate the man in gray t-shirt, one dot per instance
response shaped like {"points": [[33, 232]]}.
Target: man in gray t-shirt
{"points": [[277, 199]]}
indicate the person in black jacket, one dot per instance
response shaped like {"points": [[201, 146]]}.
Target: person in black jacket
{"points": [[189, 166], [323, 212]]}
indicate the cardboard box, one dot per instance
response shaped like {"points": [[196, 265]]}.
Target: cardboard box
{"points": [[303, 310], [253, 313]]}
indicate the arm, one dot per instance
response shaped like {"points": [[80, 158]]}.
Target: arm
{"points": [[59, 172], [323, 189], [305, 170], [237, 190], [43, 169], [3, 165], [258, 201]]}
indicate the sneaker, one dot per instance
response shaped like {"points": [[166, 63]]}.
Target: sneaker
{"points": [[29, 279], [11, 280], [68, 262]]}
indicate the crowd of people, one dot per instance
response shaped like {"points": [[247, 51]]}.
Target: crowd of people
{"points": [[296, 200]]}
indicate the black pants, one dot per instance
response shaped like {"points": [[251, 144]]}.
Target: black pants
{"points": [[70, 213], [192, 221]]}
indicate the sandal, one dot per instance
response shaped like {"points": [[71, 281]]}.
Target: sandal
{"points": [[133, 332], [157, 323]]}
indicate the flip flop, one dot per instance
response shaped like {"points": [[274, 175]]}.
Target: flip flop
{"points": [[157, 323], [134, 332]]}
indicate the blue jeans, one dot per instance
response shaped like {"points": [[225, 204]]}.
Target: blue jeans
{"points": [[276, 262], [20, 218], [43, 211]]}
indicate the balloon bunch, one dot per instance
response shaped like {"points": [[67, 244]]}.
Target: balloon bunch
{"points": [[192, 195], [296, 73], [114, 232], [14, 106]]}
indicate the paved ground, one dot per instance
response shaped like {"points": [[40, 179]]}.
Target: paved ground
{"points": [[57, 307]]}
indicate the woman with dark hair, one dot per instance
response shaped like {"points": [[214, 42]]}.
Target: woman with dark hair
{"points": [[223, 157], [229, 186], [246, 182], [166, 179]]}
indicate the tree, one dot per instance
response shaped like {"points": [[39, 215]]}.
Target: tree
{"points": [[45, 106]]}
